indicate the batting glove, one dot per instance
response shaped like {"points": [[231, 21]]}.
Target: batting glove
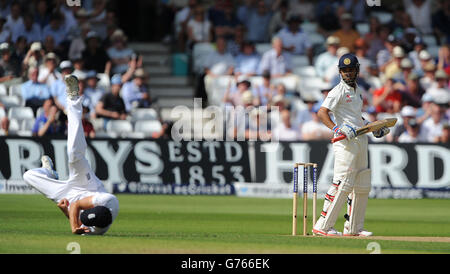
{"points": [[381, 132], [346, 130]]}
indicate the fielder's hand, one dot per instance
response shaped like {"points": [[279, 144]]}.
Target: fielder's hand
{"points": [[346, 130], [381, 132]]}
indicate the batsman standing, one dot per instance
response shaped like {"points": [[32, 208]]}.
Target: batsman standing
{"points": [[82, 198], [351, 178]]}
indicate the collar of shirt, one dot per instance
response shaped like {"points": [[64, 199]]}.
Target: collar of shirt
{"points": [[347, 87]]}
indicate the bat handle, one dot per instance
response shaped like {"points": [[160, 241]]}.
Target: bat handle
{"points": [[341, 137]]}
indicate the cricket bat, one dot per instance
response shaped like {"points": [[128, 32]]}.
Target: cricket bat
{"points": [[374, 126]]}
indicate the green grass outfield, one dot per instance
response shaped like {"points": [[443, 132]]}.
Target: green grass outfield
{"points": [[220, 224]]}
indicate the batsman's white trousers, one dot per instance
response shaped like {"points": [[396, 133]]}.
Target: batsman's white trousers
{"points": [[82, 180], [350, 158]]}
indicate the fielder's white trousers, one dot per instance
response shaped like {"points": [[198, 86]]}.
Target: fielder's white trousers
{"points": [[80, 173]]}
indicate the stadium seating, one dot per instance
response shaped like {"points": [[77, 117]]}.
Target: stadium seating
{"points": [[309, 27], [362, 28], [143, 114], [148, 127], [20, 113], [3, 90], [263, 47], [11, 101], [2, 113], [305, 71], [14, 126], [15, 90], [119, 128], [299, 61], [200, 51]]}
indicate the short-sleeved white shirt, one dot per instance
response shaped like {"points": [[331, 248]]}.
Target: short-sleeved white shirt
{"points": [[346, 103]]}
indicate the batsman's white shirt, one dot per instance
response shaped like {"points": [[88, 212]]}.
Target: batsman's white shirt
{"points": [[346, 103]]}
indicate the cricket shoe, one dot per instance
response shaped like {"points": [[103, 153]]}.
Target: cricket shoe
{"points": [[72, 86], [361, 233], [47, 163], [331, 232]]}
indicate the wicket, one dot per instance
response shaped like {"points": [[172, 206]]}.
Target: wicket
{"points": [[305, 196]]}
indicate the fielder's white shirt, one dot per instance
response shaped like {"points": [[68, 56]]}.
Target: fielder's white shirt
{"points": [[346, 103]]}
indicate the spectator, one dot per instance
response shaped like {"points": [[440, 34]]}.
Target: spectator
{"points": [[58, 87], [265, 91], [226, 22], [88, 128], [5, 8], [412, 134], [49, 73], [34, 57], [424, 112], [5, 33], [440, 89], [305, 115], [14, 19], [42, 18], [48, 123], [374, 79], [328, 58], [294, 39], [440, 22], [279, 19], [314, 129], [384, 56], [376, 39], [420, 13], [357, 8], [258, 126], [199, 29], [444, 59], [19, 52], [419, 45], [432, 128], [182, 17], [276, 61], [406, 68], [247, 62], [394, 65], [119, 53], [92, 92], [30, 30], [332, 73], [234, 47], [95, 57], [220, 62], [135, 93], [445, 137], [9, 67], [33, 92], [235, 95], [304, 8], [407, 113], [244, 9], [78, 43], [347, 34], [412, 92], [111, 105], [257, 23], [325, 14], [284, 130], [97, 18], [428, 78], [4, 126], [55, 29], [78, 68], [388, 98]]}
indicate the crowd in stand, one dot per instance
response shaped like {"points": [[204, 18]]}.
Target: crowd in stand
{"points": [[42, 41], [401, 74]]}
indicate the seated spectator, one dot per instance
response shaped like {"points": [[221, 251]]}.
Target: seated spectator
{"points": [[19, 52], [41, 17], [9, 67], [406, 68], [432, 128], [295, 41], [374, 77], [78, 43], [226, 22], [326, 16], [5, 8], [444, 58], [419, 45], [332, 73], [48, 123], [412, 133], [314, 129], [257, 23], [234, 95], [55, 29], [276, 61], [440, 89], [220, 62], [305, 115], [284, 130], [347, 34], [327, 58], [182, 17], [48, 74], [420, 14], [119, 53], [247, 62], [388, 98], [5, 33], [30, 30], [304, 8], [265, 91], [35, 56], [376, 38], [92, 92], [95, 57], [407, 113], [111, 105], [14, 19], [78, 68], [445, 137], [258, 127], [394, 65], [427, 81], [279, 19], [58, 87], [384, 56], [234, 47], [34, 93], [441, 20], [135, 93], [199, 28], [88, 128], [412, 92]]}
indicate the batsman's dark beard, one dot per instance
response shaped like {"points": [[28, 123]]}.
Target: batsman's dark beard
{"points": [[350, 77]]}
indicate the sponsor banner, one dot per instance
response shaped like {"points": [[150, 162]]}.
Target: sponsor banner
{"points": [[409, 193], [170, 189], [16, 187]]}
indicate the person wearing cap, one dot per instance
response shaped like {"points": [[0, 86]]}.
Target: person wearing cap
{"points": [[258, 124], [119, 54], [407, 113], [58, 87], [111, 105], [34, 56], [440, 89], [351, 179], [49, 73], [9, 67], [407, 68], [33, 92], [92, 92], [412, 133], [247, 61], [135, 93], [94, 56], [347, 34], [314, 130], [276, 60], [429, 70], [82, 198], [414, 55], [394, 65], [295, 40], [327, 58]]}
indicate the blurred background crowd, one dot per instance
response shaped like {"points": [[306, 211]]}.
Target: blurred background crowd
{"points": [[247, 53]]}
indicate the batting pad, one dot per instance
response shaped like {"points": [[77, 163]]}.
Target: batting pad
{"points": [[359, 202]]}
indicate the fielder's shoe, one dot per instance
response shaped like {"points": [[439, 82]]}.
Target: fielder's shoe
{"points": [[330, 232], [47, 163], [72, 86]]}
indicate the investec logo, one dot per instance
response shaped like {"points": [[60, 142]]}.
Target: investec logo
{"points": [[73, 3], [373, 3]]}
